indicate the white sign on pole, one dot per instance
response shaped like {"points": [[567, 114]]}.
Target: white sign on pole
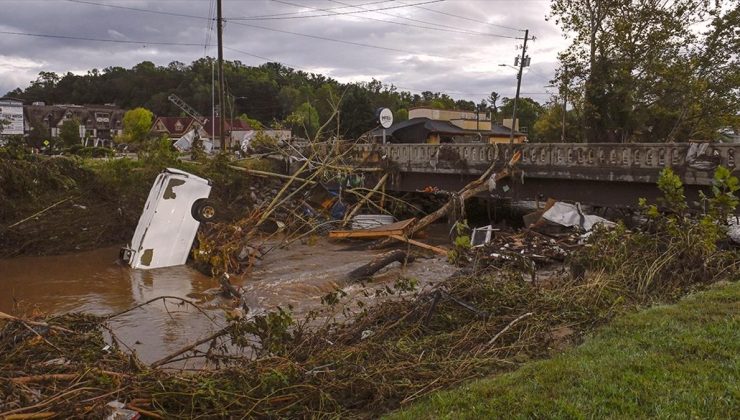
{"points": [[11, 117], [385, 118]]}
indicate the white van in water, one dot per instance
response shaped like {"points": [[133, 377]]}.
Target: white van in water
{"points": [[177, 203]]}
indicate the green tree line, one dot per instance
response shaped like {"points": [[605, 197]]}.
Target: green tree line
{"points": [[648, 71], [271, 94]]}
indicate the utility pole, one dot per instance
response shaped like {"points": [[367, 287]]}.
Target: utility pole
{"points": [[565, 101], [522, 62], [221, 100]]}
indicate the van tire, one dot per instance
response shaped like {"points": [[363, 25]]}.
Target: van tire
{"points": [[204, 210]]}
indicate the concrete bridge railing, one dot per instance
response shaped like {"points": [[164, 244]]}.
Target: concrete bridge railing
{"points": [[636, 162]]}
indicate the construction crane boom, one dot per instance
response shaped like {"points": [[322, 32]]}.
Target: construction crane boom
{"points": [[187, 109]]}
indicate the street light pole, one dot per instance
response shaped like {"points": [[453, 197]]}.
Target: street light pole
{"points": [[518, 84], [221, 96], [565, 101]]}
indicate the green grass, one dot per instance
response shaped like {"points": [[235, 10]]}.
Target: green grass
{"points": [[674, 361]]}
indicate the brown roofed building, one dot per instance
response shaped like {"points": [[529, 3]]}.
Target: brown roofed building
{"points": [[176, 127], [99, 124], [173, 127]]}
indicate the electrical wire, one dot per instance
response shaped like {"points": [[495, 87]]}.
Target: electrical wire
{"points": [[300, 68], [209, 26], [333, 13], [116, 41], [136, 9], [435, 25], [341, 41], [465, 18], [305, 11]]}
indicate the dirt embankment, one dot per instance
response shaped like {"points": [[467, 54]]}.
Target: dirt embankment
{"points": [[59, 205]]}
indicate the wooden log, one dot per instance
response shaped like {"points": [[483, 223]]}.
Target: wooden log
{"points": [[435, 249], [397, 228], [190, 347], [382, 260], [9, 317], [40, 415], [45, 378], [270, 174]]}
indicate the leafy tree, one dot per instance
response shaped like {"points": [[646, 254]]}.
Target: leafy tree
{"points": [[136, 124], [401, 115], [69, 133], [252, 122], [645, 72], [549, 126], [464, 105], [269, 92], [357, 112], [306, 118], [492, 100], [528, 111]]}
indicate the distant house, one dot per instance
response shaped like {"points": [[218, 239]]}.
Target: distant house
{"points": [[176, 127], [99, 124], [426, 130], [421, 130], [473, 122], [172, 127]]}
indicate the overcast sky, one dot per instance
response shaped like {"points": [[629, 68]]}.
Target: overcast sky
{"points": [[416, 48]]}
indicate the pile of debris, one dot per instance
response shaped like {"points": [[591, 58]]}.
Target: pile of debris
{"points": [[529, 244]]}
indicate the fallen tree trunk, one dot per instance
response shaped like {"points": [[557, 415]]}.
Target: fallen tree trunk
{"points": [[382, 260], [470, 190], [364, 199]]}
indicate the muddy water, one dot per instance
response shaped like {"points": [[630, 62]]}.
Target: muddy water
{"points": [[94, 282]]}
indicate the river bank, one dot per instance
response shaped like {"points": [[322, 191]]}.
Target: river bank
{"points": [[366, 347]]}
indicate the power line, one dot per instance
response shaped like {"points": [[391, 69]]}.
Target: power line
{"points": [[334, 13], [136, 9], [410, 90], [341, 41], [329, 14], [465, 18], [209, 27], [359, 44], [305, 11], [435, 26], [117, 41]]}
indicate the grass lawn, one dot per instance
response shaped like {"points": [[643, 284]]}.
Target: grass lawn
{"points": [[678, 361]]}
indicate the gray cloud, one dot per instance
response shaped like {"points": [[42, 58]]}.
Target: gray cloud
{"points": [[463, 65]]}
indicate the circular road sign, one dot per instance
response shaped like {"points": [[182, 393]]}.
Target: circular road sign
{"points": [[385, 117]]}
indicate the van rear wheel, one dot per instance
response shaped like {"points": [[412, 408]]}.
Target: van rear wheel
{"points": [[204, 210]]}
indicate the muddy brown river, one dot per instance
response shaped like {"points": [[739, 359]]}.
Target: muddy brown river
{"points": [[94, 282]]}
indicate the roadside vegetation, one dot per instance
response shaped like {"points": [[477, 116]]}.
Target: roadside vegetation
{"points": [[485, 320], [669, 361]]}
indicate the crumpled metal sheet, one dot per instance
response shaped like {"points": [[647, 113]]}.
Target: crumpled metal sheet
{"points": [[570, 215]]}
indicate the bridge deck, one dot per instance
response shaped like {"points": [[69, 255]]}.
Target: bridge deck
{"points": [[599, 174]]}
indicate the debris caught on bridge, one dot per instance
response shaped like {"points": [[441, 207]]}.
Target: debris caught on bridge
{"points": [[698, 158], [572, 215]]}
